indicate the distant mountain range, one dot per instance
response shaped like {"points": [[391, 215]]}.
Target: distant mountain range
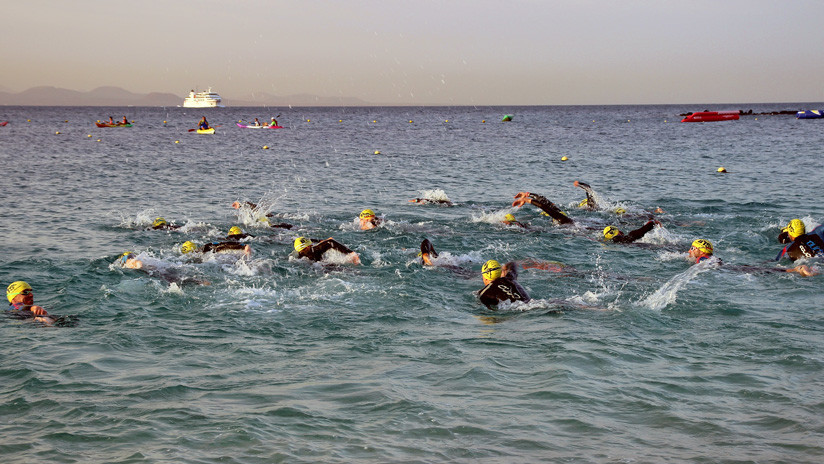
{"points": [[115, 96]]}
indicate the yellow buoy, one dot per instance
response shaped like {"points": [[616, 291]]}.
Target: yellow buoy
{"points": [[266, 147], [722, 169], [66, 120], [564, 158], [374, 120], [28, 120], [164, 122], [98, 140], [340, 120], [57, 133], [308, 120], [377, 152], [410, 121], [90, 136], [446, 120], [483, 120], [177, 141]]}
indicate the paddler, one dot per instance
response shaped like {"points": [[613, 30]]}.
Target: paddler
{"points": [[203, 124]]}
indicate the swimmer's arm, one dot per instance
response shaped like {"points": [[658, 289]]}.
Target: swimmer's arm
{"points": [[548, 207], [803, 270], [641, 231], [591, 203]]}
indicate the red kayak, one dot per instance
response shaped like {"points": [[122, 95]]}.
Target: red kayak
{"points": [[706, 116], [3, 123], [245, 126], [117, 124]]}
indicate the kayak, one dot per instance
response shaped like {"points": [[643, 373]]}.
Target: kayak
{"points": [[706, 116], [809, 114], [258, 127], [507, 117], [210, 130], [3, 123], [117, 124]]}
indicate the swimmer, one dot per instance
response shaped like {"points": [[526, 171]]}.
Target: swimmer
{"points": [[129, 260], [612, 233], [161, 224], [801, 244], [702, 250], [430, 201], [368, 220], [216, 247], [236, 233], [314, 250], [509, 220], [252, 206], [427, 252], [21, 303], [501, 284], [548, 207], [589, 203]]}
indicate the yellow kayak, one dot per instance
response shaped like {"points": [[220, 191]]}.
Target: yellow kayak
{"points": [[210, 130]]}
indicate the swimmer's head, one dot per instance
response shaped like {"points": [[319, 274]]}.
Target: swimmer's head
{"points": [[126, 256], [584, 203], [187, 247], [795, 228], [17, 288], [509, 218], [235, 230], [236, 205], [428, 248], [159, 222], [491, 270], [620, 211], [366, 214], [704, 246], [611, 232], [301, 243]]}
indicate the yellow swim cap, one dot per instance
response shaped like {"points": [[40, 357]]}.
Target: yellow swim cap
{"points": [[301, 243], [796, 228], [159, 222], [16, 288], [704, 246], [583, 203], [235, 230], [620, 211], [491, 270], [366, 214], [125, 256], [187, 247], [509, 217], [610, 232]]}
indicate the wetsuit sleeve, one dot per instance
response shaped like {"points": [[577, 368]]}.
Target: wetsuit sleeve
{"points": [[636, 234], [805, 246], [223, 246], [327, 245], [549, 208], [591, 203]]}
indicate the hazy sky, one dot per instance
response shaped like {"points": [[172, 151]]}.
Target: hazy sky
{"points": [[425, 52]]}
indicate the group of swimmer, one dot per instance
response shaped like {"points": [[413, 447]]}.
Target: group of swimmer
{"points": [[500, 280]]}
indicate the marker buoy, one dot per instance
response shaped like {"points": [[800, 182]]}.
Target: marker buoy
{"points": [[377, 152], [266, 147], [57, 133], [483, 120], [722, 169], [98, 140], [564, 158], [90, 136], [177, 141]]}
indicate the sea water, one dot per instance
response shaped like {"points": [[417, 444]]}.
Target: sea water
{"points": [[633, 354]]}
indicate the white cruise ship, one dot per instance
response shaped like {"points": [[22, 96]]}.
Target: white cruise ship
{"points": [[207, 99]]}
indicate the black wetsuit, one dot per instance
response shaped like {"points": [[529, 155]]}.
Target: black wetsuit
{"points": [[804, 246], [504, 288], [635, 234], [238, 236], [315, 252], [591, 203], [219, 247], [550, 209]]}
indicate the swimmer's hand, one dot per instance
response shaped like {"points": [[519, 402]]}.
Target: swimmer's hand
{"points": [[354, 258], [38, 311], [803, 271], [522, 198]]}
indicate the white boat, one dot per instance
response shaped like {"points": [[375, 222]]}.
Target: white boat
{"points": [[207, 99]]}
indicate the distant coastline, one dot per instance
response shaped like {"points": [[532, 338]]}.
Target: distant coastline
{"points": [[116, 96]]}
